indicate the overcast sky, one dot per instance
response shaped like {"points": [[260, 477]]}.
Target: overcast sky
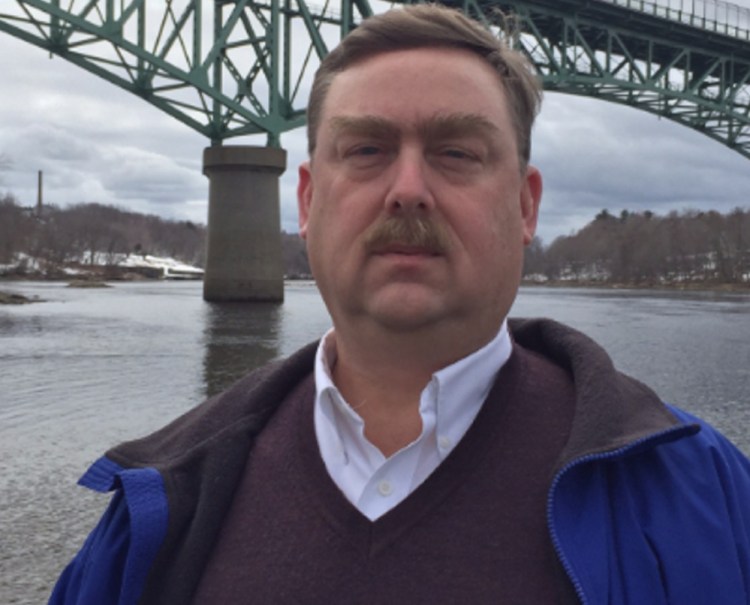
{"points": [[97, 143]]}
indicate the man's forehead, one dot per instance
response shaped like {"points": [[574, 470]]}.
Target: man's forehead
{"points": [[437, 66], [440, 89]]}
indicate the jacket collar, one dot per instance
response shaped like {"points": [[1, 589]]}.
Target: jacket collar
{"points": [[612, 409]]}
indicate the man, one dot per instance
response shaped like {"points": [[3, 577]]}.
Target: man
{"points": [[427, 450]]}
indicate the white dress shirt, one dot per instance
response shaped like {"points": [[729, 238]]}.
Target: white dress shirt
{"points": [[448, 405]]}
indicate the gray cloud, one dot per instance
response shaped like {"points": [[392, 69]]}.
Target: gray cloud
{"points": [[596, 155]]}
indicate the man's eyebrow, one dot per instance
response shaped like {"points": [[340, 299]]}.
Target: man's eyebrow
{"points": [[441, 126], [458, 125], [365, 126]]}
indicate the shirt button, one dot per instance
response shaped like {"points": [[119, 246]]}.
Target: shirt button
{"points": [[444, 442], [385, 488]]}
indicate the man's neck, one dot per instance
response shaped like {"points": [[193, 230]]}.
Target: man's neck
{"points": [[387, 401], [382, 376]]}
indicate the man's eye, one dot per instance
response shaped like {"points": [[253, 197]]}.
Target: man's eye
{"points": [[457, 154], [364, 150], [365, 156]]}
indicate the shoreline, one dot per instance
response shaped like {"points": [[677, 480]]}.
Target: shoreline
{"points": [[719, 287], [100, 281]]}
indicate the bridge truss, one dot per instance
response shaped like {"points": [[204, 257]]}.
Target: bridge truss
{"points": [[238, 67], [692, 68], [225, 67]]}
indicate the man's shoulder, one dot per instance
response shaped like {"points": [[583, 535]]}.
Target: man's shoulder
{"points": [[242, 409], [715, 448]]}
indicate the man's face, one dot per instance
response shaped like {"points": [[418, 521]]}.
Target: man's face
{"points": [[414, 205]]}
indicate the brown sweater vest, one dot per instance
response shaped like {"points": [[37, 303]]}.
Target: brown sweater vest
{"points": [[474, 532]]}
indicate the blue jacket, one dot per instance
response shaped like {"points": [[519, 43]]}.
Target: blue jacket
{"points": [[649, 506]]}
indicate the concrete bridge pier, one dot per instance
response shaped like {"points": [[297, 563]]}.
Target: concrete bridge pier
{"points": [[243, 254]]}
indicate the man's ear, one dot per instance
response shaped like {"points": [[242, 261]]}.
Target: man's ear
{"points": [[531, 196], [304, 197]]}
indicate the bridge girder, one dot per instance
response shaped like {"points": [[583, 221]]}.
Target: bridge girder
{"points": [[225, 68], [237, 67], [656, 61]]}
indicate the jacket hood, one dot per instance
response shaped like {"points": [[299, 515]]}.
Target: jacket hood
{"points": [[612, 409]]}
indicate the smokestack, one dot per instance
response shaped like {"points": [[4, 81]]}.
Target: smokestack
{"points": [[39, 196]]}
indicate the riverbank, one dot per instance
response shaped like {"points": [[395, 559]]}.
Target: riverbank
{"points": [[101, 267], [678, 286]]}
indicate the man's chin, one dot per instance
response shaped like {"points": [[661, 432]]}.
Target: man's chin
{"points": [[407, 311]]}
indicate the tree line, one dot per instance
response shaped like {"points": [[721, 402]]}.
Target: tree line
{"points": [[82, 233], [645, 249], [632, 248], [92, 233]]}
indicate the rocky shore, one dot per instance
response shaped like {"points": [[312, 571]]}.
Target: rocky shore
{"points": [[12, 298]]}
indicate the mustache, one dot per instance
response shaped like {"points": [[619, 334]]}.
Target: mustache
{"points": [[410, 231]]}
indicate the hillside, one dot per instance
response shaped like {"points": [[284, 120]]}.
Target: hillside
{"points": [[644, 249], [109, 242], [691, 248]]}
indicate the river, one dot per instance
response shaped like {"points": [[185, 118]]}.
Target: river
{"points": [[91, 367]]}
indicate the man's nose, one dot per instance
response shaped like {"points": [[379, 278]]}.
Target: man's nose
{"points": [[410, 187]]}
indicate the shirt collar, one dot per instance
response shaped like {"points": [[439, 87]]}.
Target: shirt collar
{"points": [[454, 395], [463, 386]]}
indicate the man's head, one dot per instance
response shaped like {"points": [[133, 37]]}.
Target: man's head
{"points": [[417, 200], [431, 26]]}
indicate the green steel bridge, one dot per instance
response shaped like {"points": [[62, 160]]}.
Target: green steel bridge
{"points": [[228, 68], [233, 68]]}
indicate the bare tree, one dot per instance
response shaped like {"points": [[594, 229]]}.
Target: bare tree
{"points": [[16, 229], [641, 248], [294, 250], [533, 258]]}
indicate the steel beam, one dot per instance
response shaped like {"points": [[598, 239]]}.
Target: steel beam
{"points": [[245, 75], [666, 61]]}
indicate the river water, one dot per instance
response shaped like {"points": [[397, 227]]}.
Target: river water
{"points": [[91, 367]]}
